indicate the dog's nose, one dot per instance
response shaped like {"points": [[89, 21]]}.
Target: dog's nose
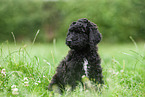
{"points": [[69, 42]]}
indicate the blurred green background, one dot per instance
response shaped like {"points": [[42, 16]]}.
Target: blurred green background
{"points": [[116, 19]]}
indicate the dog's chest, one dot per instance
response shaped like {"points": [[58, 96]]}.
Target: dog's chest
{"points": [[85, 66]]}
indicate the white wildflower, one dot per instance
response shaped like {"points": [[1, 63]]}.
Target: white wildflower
{"points": [[39, 81], [83, 76], [36, 83], [117, 73], [121, 70], [26, 84], [25, 79], [14, 90], [114, 72], [13, 86], [3, 72], [108, 79]]}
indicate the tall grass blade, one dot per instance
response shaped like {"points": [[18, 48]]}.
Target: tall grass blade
{"points": [[14, 37], [35, 37], [53, 57], [54, 45], [1, 50], [134, 42]]}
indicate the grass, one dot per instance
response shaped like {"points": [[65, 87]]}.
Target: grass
{"points": [[26, 70]]}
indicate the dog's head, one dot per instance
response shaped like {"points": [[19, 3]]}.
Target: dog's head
{"points": [[82, 34]]}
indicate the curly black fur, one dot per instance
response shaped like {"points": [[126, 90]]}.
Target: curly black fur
{"points": [[82, 38]]}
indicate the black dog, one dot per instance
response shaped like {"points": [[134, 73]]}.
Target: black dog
{"points": [[82, 59]]}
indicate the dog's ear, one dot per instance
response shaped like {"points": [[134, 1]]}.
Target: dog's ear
{"points": [[94, 35]]}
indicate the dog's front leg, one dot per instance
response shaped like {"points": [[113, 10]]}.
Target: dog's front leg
{"points": [[99, 76], [55, 85]]}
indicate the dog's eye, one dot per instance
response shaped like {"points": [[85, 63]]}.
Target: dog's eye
{"points": [[73, 22]]}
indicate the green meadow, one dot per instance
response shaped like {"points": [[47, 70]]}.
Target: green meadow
{"points": [[26, 70]]}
